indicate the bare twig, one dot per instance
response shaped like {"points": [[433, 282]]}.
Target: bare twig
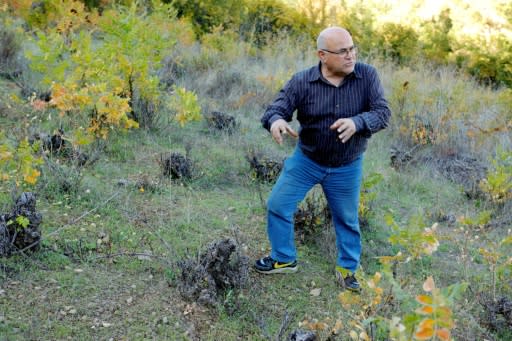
{"points": [[285, 323], [74, 221], [130, 254]]}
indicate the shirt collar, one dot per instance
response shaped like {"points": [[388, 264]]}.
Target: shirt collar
{"points": [[316, 74]]}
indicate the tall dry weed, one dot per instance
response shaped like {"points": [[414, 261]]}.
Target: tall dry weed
{"points": [[441, 108]]}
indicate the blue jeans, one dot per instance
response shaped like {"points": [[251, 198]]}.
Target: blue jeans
{"points": [[341, 186]]}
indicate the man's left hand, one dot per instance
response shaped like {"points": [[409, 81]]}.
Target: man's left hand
{"points": [[345, 127]]}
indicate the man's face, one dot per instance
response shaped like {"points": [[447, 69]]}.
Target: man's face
{"points": [[340, 55]]}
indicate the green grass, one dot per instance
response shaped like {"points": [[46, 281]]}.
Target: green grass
{"points": [[107, 265], [178, 220]]}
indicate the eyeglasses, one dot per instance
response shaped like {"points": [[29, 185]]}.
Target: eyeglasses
{"points": [[344, 52]]}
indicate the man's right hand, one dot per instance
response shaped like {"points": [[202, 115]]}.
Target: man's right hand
{"points": [[280, 127]]}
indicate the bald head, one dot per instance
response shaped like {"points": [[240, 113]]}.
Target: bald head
{"points": [[332, 36], [336, 52]]}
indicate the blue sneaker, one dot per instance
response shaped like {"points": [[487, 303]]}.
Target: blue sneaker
{"points": [[267, 265]]}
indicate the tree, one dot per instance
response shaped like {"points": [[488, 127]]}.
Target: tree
{"points": [[206, 15], [398, 42], [268, 18], [435, 37]]}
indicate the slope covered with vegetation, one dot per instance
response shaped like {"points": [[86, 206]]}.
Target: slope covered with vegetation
{"points": [[137, 128]]}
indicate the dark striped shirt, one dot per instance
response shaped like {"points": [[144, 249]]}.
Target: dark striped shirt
{"points": [[319, 104]]}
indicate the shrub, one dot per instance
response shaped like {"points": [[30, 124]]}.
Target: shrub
{"points": [[9, 50], [222, 267], [19, 163], [19, 229], [176, 166], [368, 197], [360, 22], [58, 179], [435, 38], [266, 19], [263, 168], [98, 80], [206, 15], [416, 239], [498, 182], [221, 122], [492, 67], [312, 216], [185, 105], [440, 110], [221, 48], [399, 42]]}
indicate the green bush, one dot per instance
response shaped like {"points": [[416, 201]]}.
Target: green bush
{"points": [[360, 23], [436, 39], [267, 19], [206, 15], [489, 61], [398, 42]]}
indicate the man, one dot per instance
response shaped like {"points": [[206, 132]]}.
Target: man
{"points": [[340, 103]]}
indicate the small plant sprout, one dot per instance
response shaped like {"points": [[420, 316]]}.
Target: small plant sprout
{"points": [[416, 239], [185, 104]]}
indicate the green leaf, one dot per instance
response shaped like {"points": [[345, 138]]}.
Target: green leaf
{"points": [[454, 291], [22, 221]]}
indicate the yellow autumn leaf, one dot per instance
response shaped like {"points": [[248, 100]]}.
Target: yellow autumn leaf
{"points": [[444, 316], [426, 323], [425, 310], [471, 134], [424, 299], [390, 259], [82, 138], [424, 334], [444, 312], [320, 326], [347, 299], [377, 277], [31, 177], [337, 327], [181, 118], [443, 334], [425, 330], [5, 155], [15, 98], [364, 336], [129, 123]]}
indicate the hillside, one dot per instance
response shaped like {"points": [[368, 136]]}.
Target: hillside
{"points": [[128, 214]]}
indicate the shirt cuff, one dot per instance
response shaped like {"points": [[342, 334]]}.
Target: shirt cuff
{"points": [[361, 126], [359, 122]]}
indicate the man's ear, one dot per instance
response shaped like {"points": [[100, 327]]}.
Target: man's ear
{"points": [[321, 55]]}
